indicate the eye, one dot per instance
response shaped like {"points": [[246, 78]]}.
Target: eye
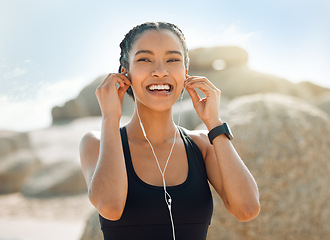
{"points": [[173, 60], [143, 60]]}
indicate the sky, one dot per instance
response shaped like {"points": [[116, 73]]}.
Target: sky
{"points": [[50, 50]]}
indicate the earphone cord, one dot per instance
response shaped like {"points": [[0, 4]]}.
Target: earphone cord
{"points": [[168, 198]]}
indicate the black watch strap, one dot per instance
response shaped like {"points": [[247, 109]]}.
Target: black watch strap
{"points": [[222, 129]]}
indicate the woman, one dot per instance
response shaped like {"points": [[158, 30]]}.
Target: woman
{"points": [[149, 179]]}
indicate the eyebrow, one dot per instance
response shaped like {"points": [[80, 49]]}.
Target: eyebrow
{"points": [[151, 53]]}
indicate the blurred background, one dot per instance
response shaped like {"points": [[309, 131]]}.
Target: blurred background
{"points": [[269, 58]]}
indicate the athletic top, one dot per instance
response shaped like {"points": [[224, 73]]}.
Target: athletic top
{"points": [[146, 215]]}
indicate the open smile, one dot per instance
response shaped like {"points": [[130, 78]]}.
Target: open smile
{"points": [[160, 88]]}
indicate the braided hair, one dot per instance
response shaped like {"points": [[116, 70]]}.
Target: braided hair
{"points": [[131, 37]]}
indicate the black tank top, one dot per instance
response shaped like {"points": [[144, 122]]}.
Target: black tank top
{"points": [[146, 216]]}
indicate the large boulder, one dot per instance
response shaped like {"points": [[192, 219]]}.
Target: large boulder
{"points": [[61, 142], [209, 58], [285, 144], [11, 141], [17, 160], [57, 179], [315, 92], [324, 103], [86, 104], [15, 168], [239, 80], [226, 66]]}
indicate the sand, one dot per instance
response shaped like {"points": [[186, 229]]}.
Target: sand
{"points": [[35, 219]]}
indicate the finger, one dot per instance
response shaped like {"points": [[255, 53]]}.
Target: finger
{"points": [[122, 90], [105, 80], [193, 95], [117, 78], [121, 83], [191, 79], [125, 79], [204, 87]]}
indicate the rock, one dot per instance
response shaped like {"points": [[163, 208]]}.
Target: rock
{"points": [[204, 58], [226, 66], [72, 109], [234, 78], [60, 178], [12, 141], [324, 103], [92, 229], [285, 144], [15, 168], [240, 80], [62, 141], [86, 104], [314, 91]]}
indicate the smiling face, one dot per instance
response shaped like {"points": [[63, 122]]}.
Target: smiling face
{"points": [[157, 68]]}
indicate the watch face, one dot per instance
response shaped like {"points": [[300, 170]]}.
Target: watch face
{"points": [[230, 136], [228, 132]]}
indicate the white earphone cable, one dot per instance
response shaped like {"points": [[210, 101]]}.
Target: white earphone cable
{"points": [[168, 198]]}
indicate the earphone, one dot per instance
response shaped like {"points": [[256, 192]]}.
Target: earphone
{"points": [[168, 198]]}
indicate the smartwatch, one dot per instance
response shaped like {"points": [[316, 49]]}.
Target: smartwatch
{"points": [[222, 129]]}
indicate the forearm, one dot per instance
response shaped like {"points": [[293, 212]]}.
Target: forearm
{"points": [[108, 187], [239, 186]]}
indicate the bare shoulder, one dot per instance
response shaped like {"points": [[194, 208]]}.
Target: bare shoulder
{"points": [[90, 140], [89, 147], [200, 138], [89, 153]]}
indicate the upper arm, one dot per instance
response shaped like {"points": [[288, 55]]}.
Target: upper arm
{"points": [[89, 154]]}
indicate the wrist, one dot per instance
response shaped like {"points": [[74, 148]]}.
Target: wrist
{"points": [[110, 122], [212, 124], [222, 129]]}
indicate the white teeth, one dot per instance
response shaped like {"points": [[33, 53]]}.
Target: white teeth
{"points": [[159, 87]]}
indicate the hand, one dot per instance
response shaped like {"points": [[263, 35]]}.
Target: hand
{"points": [[110, 97], [208, 108]]}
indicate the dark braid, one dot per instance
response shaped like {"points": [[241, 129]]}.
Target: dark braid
{"points": [[131, 37]]}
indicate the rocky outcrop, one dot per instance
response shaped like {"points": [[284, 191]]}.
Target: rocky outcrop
{"points": [[15, 168], [324, 103], [226, 66], [206, 59], [314, 91], [60, 178], [86, 104], [11, 142], [285, 144], [17, 161]]}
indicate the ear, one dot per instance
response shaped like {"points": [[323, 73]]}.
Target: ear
{"points": [[123, 70], [186, 71]]}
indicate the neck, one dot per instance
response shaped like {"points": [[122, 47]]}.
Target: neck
{"points": [[158, 125]]}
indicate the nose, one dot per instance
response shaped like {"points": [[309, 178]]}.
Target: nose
{"points": [[159, 71]]}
